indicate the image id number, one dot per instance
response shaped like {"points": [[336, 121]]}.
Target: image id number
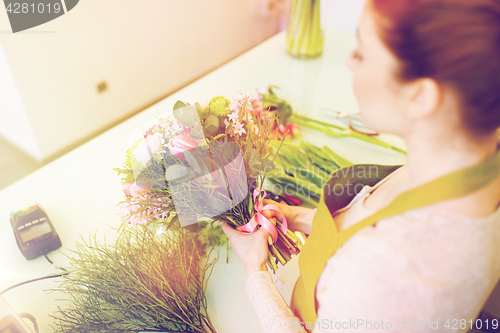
{"points": [[25, 8], [478, 324]]}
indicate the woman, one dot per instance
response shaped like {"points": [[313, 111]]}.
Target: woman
{"points": [[428, 71]]}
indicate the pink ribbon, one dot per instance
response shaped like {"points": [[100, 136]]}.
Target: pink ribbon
{"points": [[259, 219]]}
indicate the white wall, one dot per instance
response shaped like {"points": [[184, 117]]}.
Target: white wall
{"points": [[342, 14], [14, 122], [144, 49]]}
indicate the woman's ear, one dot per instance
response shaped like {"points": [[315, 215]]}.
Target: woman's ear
{"points": [[425, 98]]}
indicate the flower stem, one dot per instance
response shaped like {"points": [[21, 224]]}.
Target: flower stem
{"points": [[327, 129]]}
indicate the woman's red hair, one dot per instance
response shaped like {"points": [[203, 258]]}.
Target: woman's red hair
{"points": [[456, 43]]}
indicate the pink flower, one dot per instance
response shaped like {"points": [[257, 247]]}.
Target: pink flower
{"points": [[234, 117], [282, 129], [294, 129], [126, 188], [126, 209], [238, 128], [249, 115], [135, 212], [235, 106], [150, 131], [257, 105], [148, 147], [226, 122], [240, 96], [180, 144], [137, 191]]}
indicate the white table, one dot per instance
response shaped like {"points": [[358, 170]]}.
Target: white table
{"points": [[80, 190]]}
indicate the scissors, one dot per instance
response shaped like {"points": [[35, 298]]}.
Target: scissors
{"points": [[352, 120]]}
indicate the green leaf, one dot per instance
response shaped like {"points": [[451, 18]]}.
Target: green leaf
{"points": [[212, 124], [174, 220], [189, 117], [267, 165], [178, 113], [219, 136], [253, 163], [342, 162], [198, 107], [212, 130], [179, 105]]}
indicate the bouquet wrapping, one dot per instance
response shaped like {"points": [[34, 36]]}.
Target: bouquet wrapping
{"points": [[207, 163]]}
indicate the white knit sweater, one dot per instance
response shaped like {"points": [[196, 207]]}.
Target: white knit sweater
{"points": [[426, 270]]}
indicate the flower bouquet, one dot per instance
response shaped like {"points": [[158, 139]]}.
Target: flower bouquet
{"points": [[207, 163]]}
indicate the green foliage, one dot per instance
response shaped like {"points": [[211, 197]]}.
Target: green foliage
{"points": [[303, 170], [146, 281], [281, 107], [131, 163], [179, 105], [211, 235], [212, 124]]}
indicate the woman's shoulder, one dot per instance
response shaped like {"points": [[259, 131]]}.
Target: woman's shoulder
{"points": [[425, 256], [428, 243], [435, 229]]}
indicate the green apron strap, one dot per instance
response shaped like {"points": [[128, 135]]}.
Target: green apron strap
{"points": [[454, 185]]}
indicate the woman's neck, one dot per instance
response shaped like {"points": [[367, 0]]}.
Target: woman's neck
{"points": [[432, 157]]}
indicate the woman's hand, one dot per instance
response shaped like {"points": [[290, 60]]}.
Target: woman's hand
{"points": [[298, 218], [251, 248]]}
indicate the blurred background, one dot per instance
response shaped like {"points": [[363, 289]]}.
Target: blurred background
{"points": [[66, 81]]}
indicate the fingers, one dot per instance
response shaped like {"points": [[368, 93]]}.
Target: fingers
{"points": [[264, 231], [272, 220], [270, 202], [268, 213], [228, 230], [265, 235], [231, 233]]}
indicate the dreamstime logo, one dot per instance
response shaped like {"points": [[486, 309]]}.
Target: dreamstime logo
{"points": [[26, 14]]}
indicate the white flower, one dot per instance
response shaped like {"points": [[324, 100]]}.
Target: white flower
{"points": [[203, 103], [240, 96], [234, 117], [235, 106], [151, 145], [238, 129]]}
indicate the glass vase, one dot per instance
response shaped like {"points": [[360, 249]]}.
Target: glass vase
{"points": [[304, 38]]}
